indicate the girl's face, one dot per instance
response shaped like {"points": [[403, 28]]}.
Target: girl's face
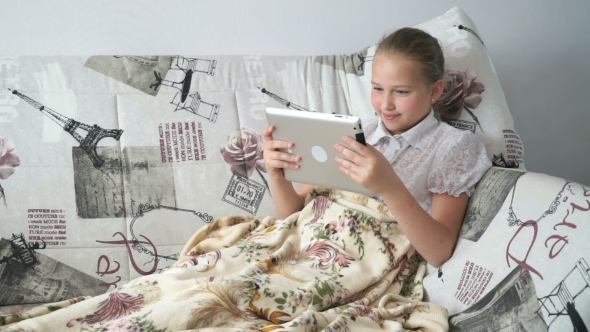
{"points": [[400, 95]]}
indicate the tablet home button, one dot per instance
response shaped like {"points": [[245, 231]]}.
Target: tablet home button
{"points": [[319, 154]]}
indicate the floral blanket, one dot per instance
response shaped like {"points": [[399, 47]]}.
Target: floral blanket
{"points": [[341, 264]]}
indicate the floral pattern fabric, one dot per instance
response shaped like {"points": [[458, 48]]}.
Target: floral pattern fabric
{"points": [[461, 92], [8, 161], [341, 264], [244, 151]]}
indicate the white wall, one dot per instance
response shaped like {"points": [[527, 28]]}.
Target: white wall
{"points": [[540, 48]]}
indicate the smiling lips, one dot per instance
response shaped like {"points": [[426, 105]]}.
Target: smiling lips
{"points": [[391, 116]]}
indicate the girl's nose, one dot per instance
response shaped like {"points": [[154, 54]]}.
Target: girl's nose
{"points": [[388, 102]]}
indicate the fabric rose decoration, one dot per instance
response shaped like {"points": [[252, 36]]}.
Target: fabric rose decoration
{"points": [[8, 160], [461, 92], [244, 152]]}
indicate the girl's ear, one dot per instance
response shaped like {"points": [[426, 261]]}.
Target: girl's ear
{"points": [[437, 90]]}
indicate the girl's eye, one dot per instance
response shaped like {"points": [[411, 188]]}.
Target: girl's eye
{"points": [[377, 88], [402, 92]]}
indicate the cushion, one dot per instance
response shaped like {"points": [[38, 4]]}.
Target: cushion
{"points": [[521, 262]]}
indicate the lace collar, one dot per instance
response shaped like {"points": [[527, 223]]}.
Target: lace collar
{"points": [[417, 136]]}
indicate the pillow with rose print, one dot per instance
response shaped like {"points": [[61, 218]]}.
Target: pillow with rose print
{"points": [[473, 98], [8, 160], [243, 151]]}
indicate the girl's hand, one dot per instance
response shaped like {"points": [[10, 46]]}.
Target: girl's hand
{"points": [[368, 167], [276, 160]]}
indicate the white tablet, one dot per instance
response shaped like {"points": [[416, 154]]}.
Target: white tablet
{"points": [[314, 136]]}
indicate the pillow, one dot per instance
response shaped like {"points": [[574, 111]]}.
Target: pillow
{"points": [[521, 261], [473, 98]]}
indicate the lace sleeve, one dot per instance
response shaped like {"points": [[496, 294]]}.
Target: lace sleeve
{"points": [[458, 165]]}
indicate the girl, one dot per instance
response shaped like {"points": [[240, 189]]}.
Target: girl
{"points": [[424, 170]]}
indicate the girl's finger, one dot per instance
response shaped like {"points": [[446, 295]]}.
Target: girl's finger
{"points": [[274, 145], [349, 154], [282, 164], [348, 165], [291, 165], [284, 156], [268, 133], [355, 145], [350, 174], [344, 170]]}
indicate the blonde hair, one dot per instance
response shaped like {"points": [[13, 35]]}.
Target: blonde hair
{"points": [[417, 45]]}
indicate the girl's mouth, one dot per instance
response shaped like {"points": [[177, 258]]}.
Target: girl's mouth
{"points": [[391, 116]]}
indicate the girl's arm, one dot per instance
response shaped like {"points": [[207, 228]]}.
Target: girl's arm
{"points": [[434, 236], [287, 200]]}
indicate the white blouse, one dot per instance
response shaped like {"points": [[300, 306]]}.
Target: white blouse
{"points": [[431, 157]]}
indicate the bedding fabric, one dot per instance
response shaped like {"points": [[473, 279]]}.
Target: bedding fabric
{"points": [[341, 264]]}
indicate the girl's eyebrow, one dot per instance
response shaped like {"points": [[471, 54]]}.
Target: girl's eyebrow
{"points": [[395, 86]]}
